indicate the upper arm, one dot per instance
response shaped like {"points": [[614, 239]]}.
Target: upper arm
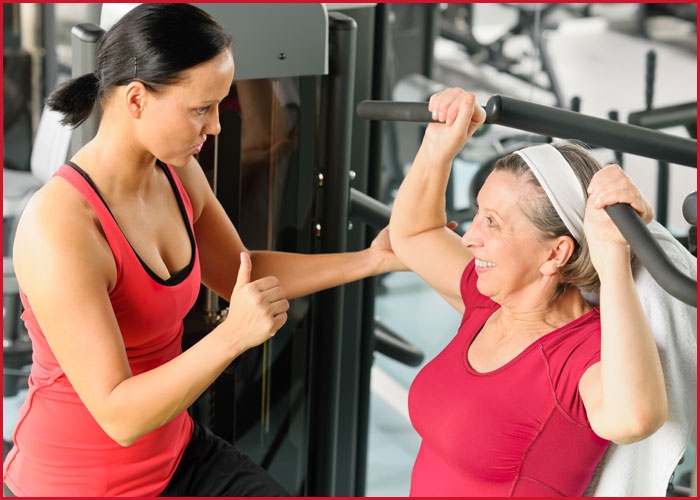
{"points": [[65, 268], [439, 257], [591, 389], [218, 242], [608, 420]]}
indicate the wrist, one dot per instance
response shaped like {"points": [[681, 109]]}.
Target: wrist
{"points": [[226, 341], [384, 261], [371, 262], [433, 156], [612, 261]]}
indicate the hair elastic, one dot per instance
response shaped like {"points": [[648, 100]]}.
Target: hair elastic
{"points": [[559, 181]]}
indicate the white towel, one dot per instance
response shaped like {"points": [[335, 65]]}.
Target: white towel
{"points": [[644, 468]]}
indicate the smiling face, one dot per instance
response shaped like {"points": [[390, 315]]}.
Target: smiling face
{"points": [[176, 121], [508, 254]]}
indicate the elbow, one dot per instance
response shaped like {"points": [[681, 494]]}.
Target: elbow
{"points": [[397, 240], [121, 437], [403, 251], [124, 442], [120, 432], [641, 425]]}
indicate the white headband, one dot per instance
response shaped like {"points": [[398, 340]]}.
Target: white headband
{"points": [[560, 183]]}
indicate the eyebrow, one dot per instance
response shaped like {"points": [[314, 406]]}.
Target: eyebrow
{"points": [[211, 101], [491, 211]]}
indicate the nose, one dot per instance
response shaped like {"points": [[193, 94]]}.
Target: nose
{"points": [[213, 126], [471, 237]]}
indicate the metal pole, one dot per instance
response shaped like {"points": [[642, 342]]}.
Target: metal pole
{"points": [[332, 233]]}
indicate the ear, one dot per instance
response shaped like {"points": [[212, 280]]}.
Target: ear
{"points": [[560, 253], [135, 97]]}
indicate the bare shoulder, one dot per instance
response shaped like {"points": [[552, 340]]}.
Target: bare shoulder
{"points": [[196, 184], [59, 234]]}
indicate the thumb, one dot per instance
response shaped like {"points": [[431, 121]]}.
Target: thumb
{"points": [[244, 270]]}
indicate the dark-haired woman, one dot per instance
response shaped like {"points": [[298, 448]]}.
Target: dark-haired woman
{"points": [[527, 396], [110, 255]]}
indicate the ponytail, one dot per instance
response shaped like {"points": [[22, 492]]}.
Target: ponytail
{"points": [[75, 99]]}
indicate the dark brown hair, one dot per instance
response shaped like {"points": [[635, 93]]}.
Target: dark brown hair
{"points": [[153, 43]]}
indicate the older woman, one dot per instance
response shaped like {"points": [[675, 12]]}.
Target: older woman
{"points": [[527, 396], [110, 255]]}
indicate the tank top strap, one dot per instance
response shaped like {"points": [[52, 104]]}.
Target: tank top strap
{"points": [[181, 193]]}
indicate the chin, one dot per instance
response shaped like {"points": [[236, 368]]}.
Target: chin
{"points": [[177, 162], [482, 290]]}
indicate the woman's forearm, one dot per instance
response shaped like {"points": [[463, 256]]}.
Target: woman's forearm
{"points": [[420, 201], [303, 274], [147, 401]]}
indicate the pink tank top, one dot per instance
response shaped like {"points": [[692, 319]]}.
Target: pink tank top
{"points": [[60, 450], [520, 430]]}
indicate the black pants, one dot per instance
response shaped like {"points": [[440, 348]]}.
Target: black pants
{"points": [[212, 467]]}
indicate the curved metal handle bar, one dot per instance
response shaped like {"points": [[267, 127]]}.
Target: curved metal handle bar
{"points": [[652, 255], [618, 136]]}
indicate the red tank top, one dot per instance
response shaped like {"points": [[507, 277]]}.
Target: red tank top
{"points": [[60, 450], [520, 430]]}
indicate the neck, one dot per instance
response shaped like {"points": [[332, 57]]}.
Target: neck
{"points": [[119, 171], [546, 316]]}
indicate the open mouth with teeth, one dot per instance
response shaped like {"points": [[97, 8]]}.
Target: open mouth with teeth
{"points": [[483, 263]]}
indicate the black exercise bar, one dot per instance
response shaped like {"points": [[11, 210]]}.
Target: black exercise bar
{"points": [[617, 136], [554, 122], [395, 111]]}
